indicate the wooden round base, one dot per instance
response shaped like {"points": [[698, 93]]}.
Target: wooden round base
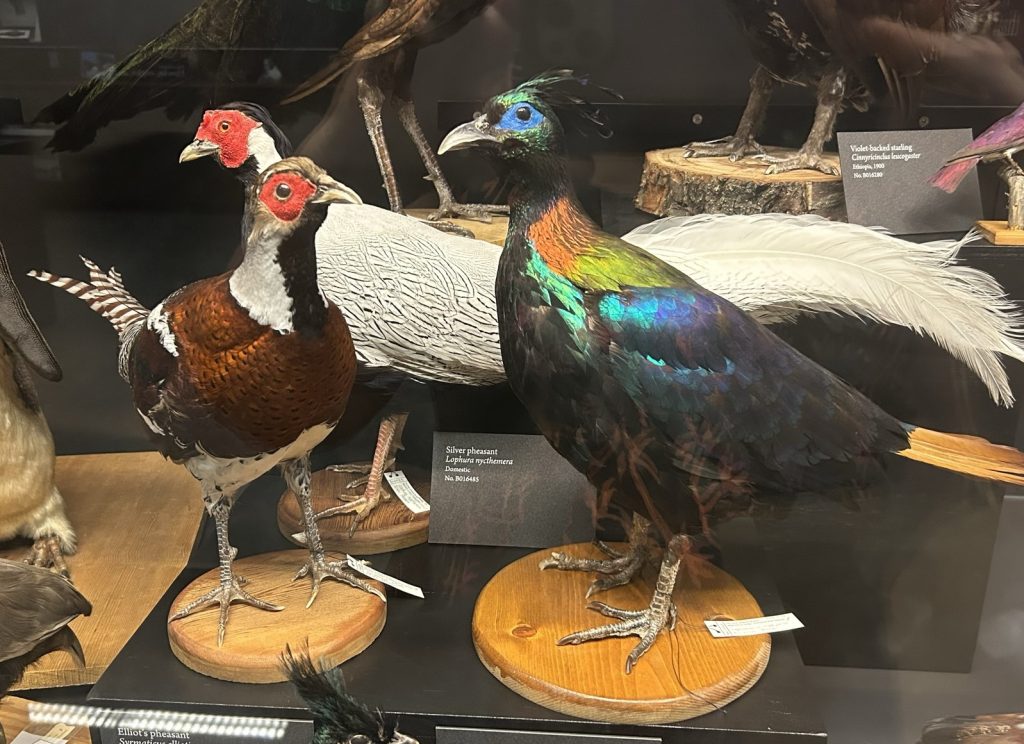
{"points": [[999, 232], [342, 622], [523, 611], [674, 184], [389, 527]]}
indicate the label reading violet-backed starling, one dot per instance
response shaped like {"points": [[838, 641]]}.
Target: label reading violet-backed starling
{"points": [[509, 490], [885, 178]]}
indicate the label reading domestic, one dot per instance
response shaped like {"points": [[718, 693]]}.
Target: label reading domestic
{"points": [[753, 626], [366, 570], [406, 493]]}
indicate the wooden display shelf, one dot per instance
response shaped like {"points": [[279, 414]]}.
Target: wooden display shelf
{"points": [[14, 719], [491, 232], [136, 515]]}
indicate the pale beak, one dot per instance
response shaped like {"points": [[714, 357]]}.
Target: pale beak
{"points": [[470, 134], [198, 149], [329, 191]]}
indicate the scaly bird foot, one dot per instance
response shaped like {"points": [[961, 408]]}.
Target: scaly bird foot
{"points": [[646, 624], [318, 569], [619, 568], [476, 212], [47, 552], [734, 148], [224, 595], [360, 504], [801, 161]]}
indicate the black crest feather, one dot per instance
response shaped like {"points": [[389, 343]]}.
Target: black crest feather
{"points": [[566, 91], [259, 113], [336, 714]]}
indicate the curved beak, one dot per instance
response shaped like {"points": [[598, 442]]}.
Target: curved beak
{"points": [[470, 134], [329, 191], [198, 149]]}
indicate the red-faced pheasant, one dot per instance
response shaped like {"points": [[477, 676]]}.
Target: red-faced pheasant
{"points": [[246, 371]]}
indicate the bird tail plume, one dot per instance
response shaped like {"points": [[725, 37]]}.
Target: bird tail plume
{"points": [[949, 177], [965, 454]]}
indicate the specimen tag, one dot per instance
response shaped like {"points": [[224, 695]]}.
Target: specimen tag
{"points": [[406, 493], [753, 626], [383, 578], [26, 738]]}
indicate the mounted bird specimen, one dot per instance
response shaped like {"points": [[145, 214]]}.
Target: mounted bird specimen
{"points": [[671, 400], [850, 52], [420, 303], [214, 45], [30, 504], [205, 365], [997, 144], [339, 718]]}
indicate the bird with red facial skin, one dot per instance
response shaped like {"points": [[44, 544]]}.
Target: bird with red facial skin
{"points": [[205, 365], [1000, 142]]}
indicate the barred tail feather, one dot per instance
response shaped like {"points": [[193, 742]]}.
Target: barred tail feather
{"points": [[965, 454], [104, 293], [950, 176]]}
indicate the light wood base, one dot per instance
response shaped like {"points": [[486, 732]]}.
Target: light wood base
{"points": [[389, 527], [999, 233], [673, 184], [523, 611], [342, 622], [136, 515], [14, 720], [490, 232]]}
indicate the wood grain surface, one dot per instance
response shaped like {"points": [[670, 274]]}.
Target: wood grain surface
{"points": [[999, 232], [391, 526], [14, 720], [523, 611], [491, 232], [674, 184], [136, 515], [342, 622]]}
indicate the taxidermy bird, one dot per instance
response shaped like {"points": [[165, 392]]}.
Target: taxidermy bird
{"points": [[420, 303], [30, 503], [1000, 142], [37, 606], [670, 399], [213, 44], [995, 728], [847, 51], [206, 365], [338, 718]]}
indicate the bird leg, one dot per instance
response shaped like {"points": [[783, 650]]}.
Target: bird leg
{"points": [[646, 623], [230, 588], [619, 568], [317, 567], [371, 101], [744, 142], [447, 207], [831, 93], [389, 442]]}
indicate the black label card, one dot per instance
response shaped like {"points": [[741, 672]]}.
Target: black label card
{"points": [[509, 490], [215, 732], [446, 735], [886, 174]]}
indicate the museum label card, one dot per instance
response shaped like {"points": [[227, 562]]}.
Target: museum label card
{"points": [[509, 490], [753, 626], [452, 735], [885, 178]]}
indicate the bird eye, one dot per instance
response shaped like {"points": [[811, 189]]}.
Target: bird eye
{"points": [[283, 191], [523, 113], [225, 126]]}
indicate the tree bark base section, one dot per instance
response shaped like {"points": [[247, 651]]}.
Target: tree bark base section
{"points": [[673, 184]]}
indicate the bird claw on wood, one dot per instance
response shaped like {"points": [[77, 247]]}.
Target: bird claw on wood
{"points": [[646, 624], [476, 212], [224, 595], [619, 568], [735, 148], [318, 569], [801, 161], [47, 552]]}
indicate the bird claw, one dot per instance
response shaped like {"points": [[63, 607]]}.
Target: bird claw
{"points": [[476, 212], [645, 624], [319, 569], [224, 595], [618, 569], [735, 148], [801, 161], [47, 552]]}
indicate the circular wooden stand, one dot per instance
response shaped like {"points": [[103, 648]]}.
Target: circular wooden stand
{"points": [[999, 232], [391, 526], [674, 184], [523, 611], [342, 622]]}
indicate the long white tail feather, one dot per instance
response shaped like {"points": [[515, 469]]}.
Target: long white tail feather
{"points": [[779, 266]]}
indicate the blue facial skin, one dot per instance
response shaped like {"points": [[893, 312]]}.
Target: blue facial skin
{"points": [[510, 120]]}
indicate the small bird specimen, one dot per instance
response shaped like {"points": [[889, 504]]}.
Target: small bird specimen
{"points": [[338, 718], [214, 44], [671, 400], [36, 606], [994, 728], [206, 365], [30, 504], [998, 143], [836, 48]]}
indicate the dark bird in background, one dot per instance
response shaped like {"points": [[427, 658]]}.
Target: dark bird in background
{"points": [[338, 718], [30, 504], [217, 53], [850, 52], [1000, 142], [36, 607], [995, 728], [672, 401]]}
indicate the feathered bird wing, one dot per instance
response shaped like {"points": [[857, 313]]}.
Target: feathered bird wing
{"points": [[35, 604], [19, 330], [778, 266]]}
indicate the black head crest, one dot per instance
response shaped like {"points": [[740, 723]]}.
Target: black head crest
{"points": [[259, 113], [566, 91]]}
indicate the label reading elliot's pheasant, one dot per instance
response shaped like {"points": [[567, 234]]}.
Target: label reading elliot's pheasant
{"points": [[406, 493], [753, 626]]}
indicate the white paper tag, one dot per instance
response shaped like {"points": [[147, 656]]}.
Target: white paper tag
{"points": [[753, 626], [364, 568], [26, 738], [406, 493]]}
